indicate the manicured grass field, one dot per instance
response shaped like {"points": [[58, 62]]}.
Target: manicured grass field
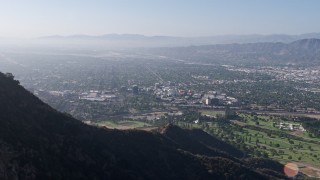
{"points": [[122, 124], [275, 146], [292, 150], [212, 113]]}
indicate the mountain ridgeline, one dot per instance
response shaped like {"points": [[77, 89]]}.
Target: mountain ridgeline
{"points": [[301, 51], [38, 142], [137, 40]]}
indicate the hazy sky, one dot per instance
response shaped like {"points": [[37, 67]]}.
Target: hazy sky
{"points": [[32, 18]]}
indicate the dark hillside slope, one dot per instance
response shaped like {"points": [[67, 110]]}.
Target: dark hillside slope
{"points": [[37, 142], [200, 142]]}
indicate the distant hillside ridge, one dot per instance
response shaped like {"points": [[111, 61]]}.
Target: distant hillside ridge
{"points": [[200, 142], [307, 44], [170, 41], [300, 51]]}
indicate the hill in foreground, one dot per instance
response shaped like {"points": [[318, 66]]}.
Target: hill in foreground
{"points": [[38, 142]]}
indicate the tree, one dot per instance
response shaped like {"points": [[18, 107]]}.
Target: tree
{"points": [[9, 75], [229, 113], [258, 153], [273, 152], [265, 155]]}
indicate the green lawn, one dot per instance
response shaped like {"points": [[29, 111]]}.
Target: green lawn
{"points": [[285, 146], [287, 149], [212, 113], [122, 124]]}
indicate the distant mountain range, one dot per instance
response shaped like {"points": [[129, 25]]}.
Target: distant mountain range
{"points": [[264, 49], [300, 51], [169, 41], [123, 41], [38, 142]]}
